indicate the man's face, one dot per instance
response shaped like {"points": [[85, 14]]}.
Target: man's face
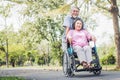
{"points": [[75, 12]]}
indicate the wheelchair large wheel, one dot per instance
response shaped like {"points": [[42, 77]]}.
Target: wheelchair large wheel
{"points": [[66, 66], [97, 66]]}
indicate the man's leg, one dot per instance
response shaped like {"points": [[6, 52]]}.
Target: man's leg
{"points": [[64, 44]]}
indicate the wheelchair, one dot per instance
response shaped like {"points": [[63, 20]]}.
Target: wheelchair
{"points": [[71, 64]]}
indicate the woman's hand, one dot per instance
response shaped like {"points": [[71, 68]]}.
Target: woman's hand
{"points": [[94, 38]]}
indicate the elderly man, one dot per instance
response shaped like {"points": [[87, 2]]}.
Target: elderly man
{"points": [[67, 24]]}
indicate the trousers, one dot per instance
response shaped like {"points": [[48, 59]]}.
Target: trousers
{"points": [[64, 43], [83, 53]]}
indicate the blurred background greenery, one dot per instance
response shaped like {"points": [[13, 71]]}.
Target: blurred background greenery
{"points": [[34, 37]]}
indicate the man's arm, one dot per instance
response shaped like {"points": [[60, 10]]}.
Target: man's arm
{"points": [[67, 30], [66, 24], [69, 37]]}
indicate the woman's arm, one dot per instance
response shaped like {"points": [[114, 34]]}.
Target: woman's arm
{"points": [[89, 36]]}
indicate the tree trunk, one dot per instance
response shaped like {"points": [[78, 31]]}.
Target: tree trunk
{"points": [[7, 53], [114, 11]]}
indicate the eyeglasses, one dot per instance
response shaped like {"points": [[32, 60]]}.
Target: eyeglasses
{"points": [[75, 11]]}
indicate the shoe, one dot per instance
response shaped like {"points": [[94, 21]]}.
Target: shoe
{"points": [[85, 65], [90, 66]]}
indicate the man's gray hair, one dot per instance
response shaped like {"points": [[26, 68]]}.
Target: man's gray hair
{"points": [[73, 7]]}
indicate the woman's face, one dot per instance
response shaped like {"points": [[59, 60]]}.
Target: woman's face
{"points": [[78, 25]]}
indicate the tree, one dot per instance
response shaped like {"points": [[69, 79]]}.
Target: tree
{"points": [[114, 10], [5, 12], [44, 14], [115, 13]]}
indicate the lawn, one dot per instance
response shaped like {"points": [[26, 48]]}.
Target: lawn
{"points": [[11, 78]]}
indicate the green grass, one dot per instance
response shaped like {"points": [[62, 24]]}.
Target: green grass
{"points": [[109, 67], [11, 78]]}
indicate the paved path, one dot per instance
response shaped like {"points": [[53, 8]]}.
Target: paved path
{"points": [[40, 74]]}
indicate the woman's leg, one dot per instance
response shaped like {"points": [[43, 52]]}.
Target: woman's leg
{"points": [[80, 53], [88, 54]]}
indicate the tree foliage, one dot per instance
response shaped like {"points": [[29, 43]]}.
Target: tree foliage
{"points": [[43, 21]]}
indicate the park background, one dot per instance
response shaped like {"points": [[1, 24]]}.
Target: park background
{"points": [[31, 30]]}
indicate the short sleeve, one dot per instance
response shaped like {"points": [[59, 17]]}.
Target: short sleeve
{"points": [[66, 22]]}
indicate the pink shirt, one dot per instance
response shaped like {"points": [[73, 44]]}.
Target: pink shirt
{"points": [[79, 38]]}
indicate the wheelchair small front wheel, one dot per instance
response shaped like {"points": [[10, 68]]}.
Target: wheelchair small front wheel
{"points": [[97, 72]]}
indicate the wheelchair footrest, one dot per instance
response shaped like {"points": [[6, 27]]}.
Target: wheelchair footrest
{"points": [[77, 62], [88, 69]]}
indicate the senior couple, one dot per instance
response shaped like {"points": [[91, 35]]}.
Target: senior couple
{"points": [[78, 36]]}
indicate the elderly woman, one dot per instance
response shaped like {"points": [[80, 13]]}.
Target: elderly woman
{"points": [[78, 38]]}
